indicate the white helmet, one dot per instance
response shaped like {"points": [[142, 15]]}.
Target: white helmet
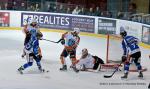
{"points": [[33, 20], [77, 30], [84, 51]]}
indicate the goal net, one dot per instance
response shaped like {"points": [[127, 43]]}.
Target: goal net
{"points": [[114, 49]]}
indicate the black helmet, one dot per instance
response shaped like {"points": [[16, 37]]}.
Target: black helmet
{"points": [[123, 33]]}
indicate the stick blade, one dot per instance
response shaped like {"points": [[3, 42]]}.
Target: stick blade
{"points": [[107, 76]]}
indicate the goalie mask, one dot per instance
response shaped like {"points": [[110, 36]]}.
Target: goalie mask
{"points": [[84, 53]]}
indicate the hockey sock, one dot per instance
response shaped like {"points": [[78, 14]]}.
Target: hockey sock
{"points": [[27, 65], [38, 64], [139, 67], [126, 67]]}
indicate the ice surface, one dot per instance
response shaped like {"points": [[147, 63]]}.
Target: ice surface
{"points": [[11, 45]]}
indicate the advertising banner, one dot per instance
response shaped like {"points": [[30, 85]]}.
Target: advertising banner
{"points": [[106, 26], [55, 21], [132, 28], [145, 34], [4, 19]]}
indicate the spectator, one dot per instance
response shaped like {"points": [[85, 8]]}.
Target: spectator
{"points": [[37, 7], [104, 14], [47, 8], [52, 7], [14, 7], [1, 7], [31, 8], [61, 9], [140, 19], [76, 10], [82, 12], [90, 12], [108, 14], [132, 10], [22, 7], [120, 15], [68, 11], [97, 12], [5, 6]]}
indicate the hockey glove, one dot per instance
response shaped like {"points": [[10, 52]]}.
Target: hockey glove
{"points": [[62, 41], [124, 58]]}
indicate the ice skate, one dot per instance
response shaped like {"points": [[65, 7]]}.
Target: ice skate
{"points": [[64, 68], [75, 69], [125, 76], [140, 75], [20, 70]]}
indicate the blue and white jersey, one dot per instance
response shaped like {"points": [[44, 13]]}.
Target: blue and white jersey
{"points": [[33, 44], [130, 45]]}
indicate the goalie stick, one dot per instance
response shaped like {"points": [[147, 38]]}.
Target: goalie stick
{"points": [[109, 76]]}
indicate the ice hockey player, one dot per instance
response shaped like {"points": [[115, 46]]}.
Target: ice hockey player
{"points": [[70, 40], [26, 30], [31, 49], [88, 61], [131, 53]]}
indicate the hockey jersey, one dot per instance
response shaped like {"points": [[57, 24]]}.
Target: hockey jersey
{"points": [[71, 41], [130, 45], [88, 61], [33, 44]]}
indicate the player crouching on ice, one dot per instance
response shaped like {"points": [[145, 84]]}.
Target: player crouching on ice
{"points": [[31, 49], [131, 53], [70, 40], [88, 61]]}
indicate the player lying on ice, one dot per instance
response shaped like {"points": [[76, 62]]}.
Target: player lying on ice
{"points": [[70, 40], [88, 61], [131, 53], [31, 48]]}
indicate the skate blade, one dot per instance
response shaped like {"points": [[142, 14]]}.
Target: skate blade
{"points": [[125, 79]]}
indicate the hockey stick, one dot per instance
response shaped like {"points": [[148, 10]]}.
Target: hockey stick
{"points": [[109, 76], [51, 41]]}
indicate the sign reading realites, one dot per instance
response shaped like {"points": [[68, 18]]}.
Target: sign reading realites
{"points": [[55, 21]]}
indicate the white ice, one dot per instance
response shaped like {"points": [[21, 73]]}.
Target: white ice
{"points": [[11, 45]]}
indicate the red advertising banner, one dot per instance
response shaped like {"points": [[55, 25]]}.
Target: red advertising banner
{"points": [[4, 19]]}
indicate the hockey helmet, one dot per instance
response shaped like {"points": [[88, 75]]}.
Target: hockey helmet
{"points": [[84, 52], [33, 22], [76, 30], [123, 33]]}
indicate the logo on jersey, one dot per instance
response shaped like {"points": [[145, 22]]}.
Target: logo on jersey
{"points": [[71, 42]]}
